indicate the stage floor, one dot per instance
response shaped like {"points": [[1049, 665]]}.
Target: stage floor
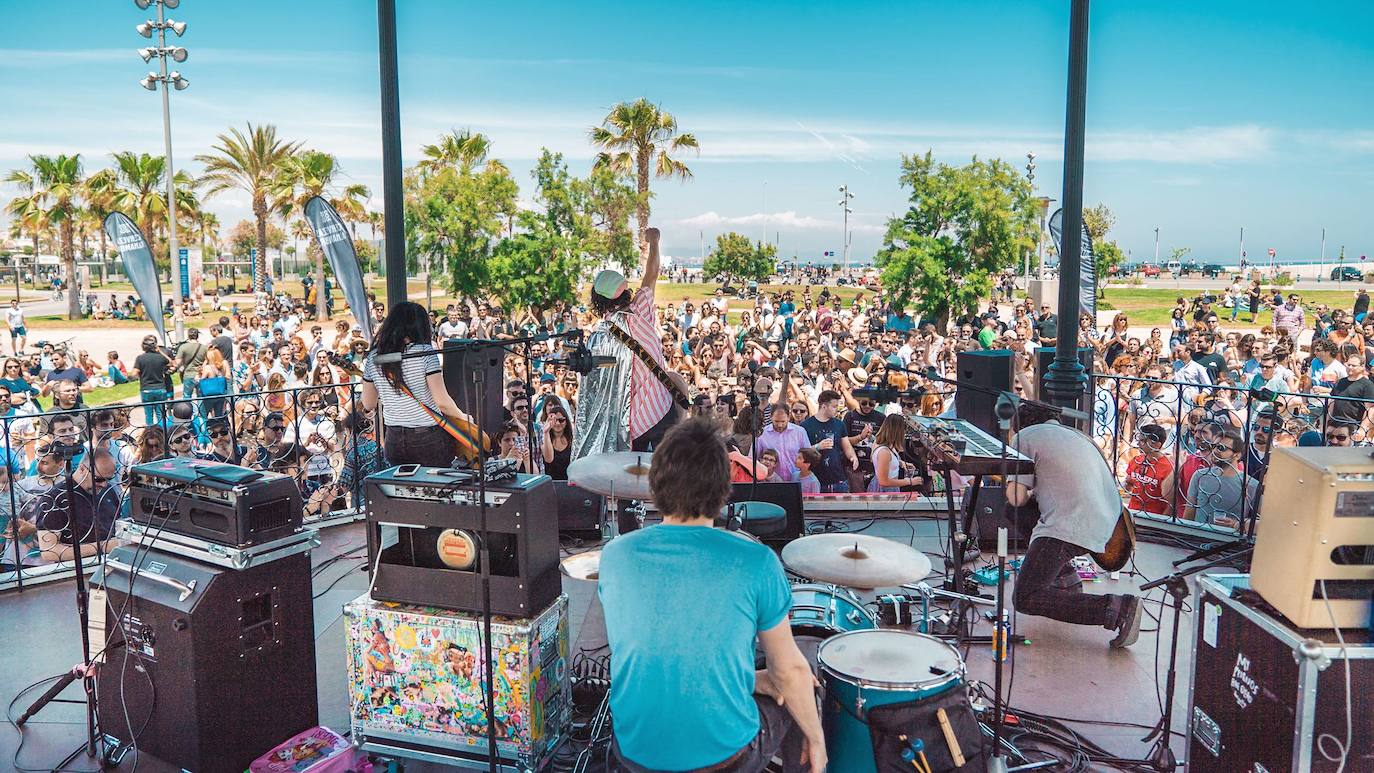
{"points": [[1066, 671]]}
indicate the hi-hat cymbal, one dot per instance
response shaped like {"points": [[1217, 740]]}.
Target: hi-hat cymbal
{"points": [[621, 474], [855, 560], [582, 566]]}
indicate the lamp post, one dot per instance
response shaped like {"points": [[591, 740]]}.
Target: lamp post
{"points": [[845, 198], [1065, 380], [1030, 178], [168, 81]]}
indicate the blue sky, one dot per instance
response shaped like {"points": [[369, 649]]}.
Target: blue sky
{"points": [[1202, 117]]}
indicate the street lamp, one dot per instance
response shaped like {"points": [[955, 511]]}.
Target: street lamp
{"points": [[169, 81], [1030, 178], [845, 198]]}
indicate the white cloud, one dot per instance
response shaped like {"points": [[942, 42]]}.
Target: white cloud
{"points": [[1198, 145]]}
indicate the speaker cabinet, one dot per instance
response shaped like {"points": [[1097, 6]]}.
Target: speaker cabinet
{"points": [[580, 512], [460, 358], [215, 665], [988, 369]]}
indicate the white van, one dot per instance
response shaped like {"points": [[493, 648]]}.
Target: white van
{"points": [[1174, 267]]}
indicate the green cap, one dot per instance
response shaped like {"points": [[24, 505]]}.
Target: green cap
{"points": [[609, 284]]}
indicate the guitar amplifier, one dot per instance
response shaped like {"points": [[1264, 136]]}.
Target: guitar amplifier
{"points": [[580, 512], [424, 538], [221, 503]]}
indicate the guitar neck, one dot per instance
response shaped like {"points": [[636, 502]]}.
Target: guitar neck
{"points": [[657, 370]]}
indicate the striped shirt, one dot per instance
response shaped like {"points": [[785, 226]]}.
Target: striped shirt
{"points": [[399, 409], [649, 399]]}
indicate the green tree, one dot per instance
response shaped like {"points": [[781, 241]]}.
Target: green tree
{"points": [[611, 199], [1179, 253], [537, 266], [248, 163], [55, 199], [964, 225], [631, 136], [454, 216], [736, 258], [1099, 221], [101, 193]]}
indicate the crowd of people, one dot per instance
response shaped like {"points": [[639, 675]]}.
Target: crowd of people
{"points": [[789, 377]]}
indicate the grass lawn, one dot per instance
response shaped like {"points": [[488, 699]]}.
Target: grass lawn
{"points": [[674, 293], [115, 394], [1153, 306]]}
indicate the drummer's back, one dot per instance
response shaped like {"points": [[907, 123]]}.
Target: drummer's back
{"points": [[683, 605]]}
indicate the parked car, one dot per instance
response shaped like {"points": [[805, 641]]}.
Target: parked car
{"points": [[1191, 267], [1175, 268], [1213, 270], [1346, 274], [1151, 270]]}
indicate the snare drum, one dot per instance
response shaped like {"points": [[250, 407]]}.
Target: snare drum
{"points": [[867, 668], [822, 611]]}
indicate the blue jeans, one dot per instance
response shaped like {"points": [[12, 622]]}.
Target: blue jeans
{"points": [[189, 386], [152, 414], [835, 488]]}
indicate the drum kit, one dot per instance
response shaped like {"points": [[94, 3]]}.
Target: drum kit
{"points": [[860, 665]]}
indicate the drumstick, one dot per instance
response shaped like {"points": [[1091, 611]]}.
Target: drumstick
{"points": [[954, 750]]}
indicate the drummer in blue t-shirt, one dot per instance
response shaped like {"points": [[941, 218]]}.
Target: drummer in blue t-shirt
{"points": [[684, 603]]}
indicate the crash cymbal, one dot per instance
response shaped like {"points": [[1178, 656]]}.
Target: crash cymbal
{"points": [[583, 566], [620, 474], [855, 560]]}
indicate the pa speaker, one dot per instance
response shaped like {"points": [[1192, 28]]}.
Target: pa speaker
{"points": [[461, 357], [990, 370]]}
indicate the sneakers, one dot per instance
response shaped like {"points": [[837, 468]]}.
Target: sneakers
{"points": [[1128, 623]]}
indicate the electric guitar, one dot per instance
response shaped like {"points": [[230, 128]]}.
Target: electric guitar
{"points": [[677, 387]]}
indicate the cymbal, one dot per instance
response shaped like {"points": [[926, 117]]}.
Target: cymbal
{"points": [[620, 474], [582, 566], [855, 560]]}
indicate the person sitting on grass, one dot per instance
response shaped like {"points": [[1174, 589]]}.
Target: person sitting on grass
{"points": [[115, 368]]}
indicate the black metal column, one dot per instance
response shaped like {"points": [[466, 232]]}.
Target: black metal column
{"points": [[393, 202], [1065, 380]]}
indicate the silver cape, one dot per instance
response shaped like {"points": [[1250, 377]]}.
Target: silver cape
{"points": [[603, 401]]}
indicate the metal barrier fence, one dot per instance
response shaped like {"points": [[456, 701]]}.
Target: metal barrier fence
{"points": [[319, 435], [1194, 457]]}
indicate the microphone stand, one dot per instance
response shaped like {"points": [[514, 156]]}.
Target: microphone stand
{"points": [[85, 671], [484, 561]]}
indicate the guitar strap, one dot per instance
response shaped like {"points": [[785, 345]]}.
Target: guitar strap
{"points": [[467, 442], [649, 362]]}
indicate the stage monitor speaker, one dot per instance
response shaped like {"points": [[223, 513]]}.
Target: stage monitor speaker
{"points": [[992, 510], [788, 496], [989, 369], [580, 512], [459, 361], [215, 665], [1044, 357]]}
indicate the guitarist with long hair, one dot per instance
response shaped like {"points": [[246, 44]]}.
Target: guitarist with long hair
{"points": [[628, 405], [1080, 514], [411, 390]]}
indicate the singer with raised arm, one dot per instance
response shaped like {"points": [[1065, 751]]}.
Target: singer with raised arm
{"points": [[403, 373], [628, 405]]}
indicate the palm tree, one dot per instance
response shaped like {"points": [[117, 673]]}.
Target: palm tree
{"points": [[249, 163], [300, 178], [140, 191], [101, 191], [630, 136], [377, 222], [299, 230], [56, 189], [352, 207], [27, 211], [460, 150]]}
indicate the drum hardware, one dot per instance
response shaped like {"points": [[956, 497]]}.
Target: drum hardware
{"points": [[616, 475], [825, 610]]}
